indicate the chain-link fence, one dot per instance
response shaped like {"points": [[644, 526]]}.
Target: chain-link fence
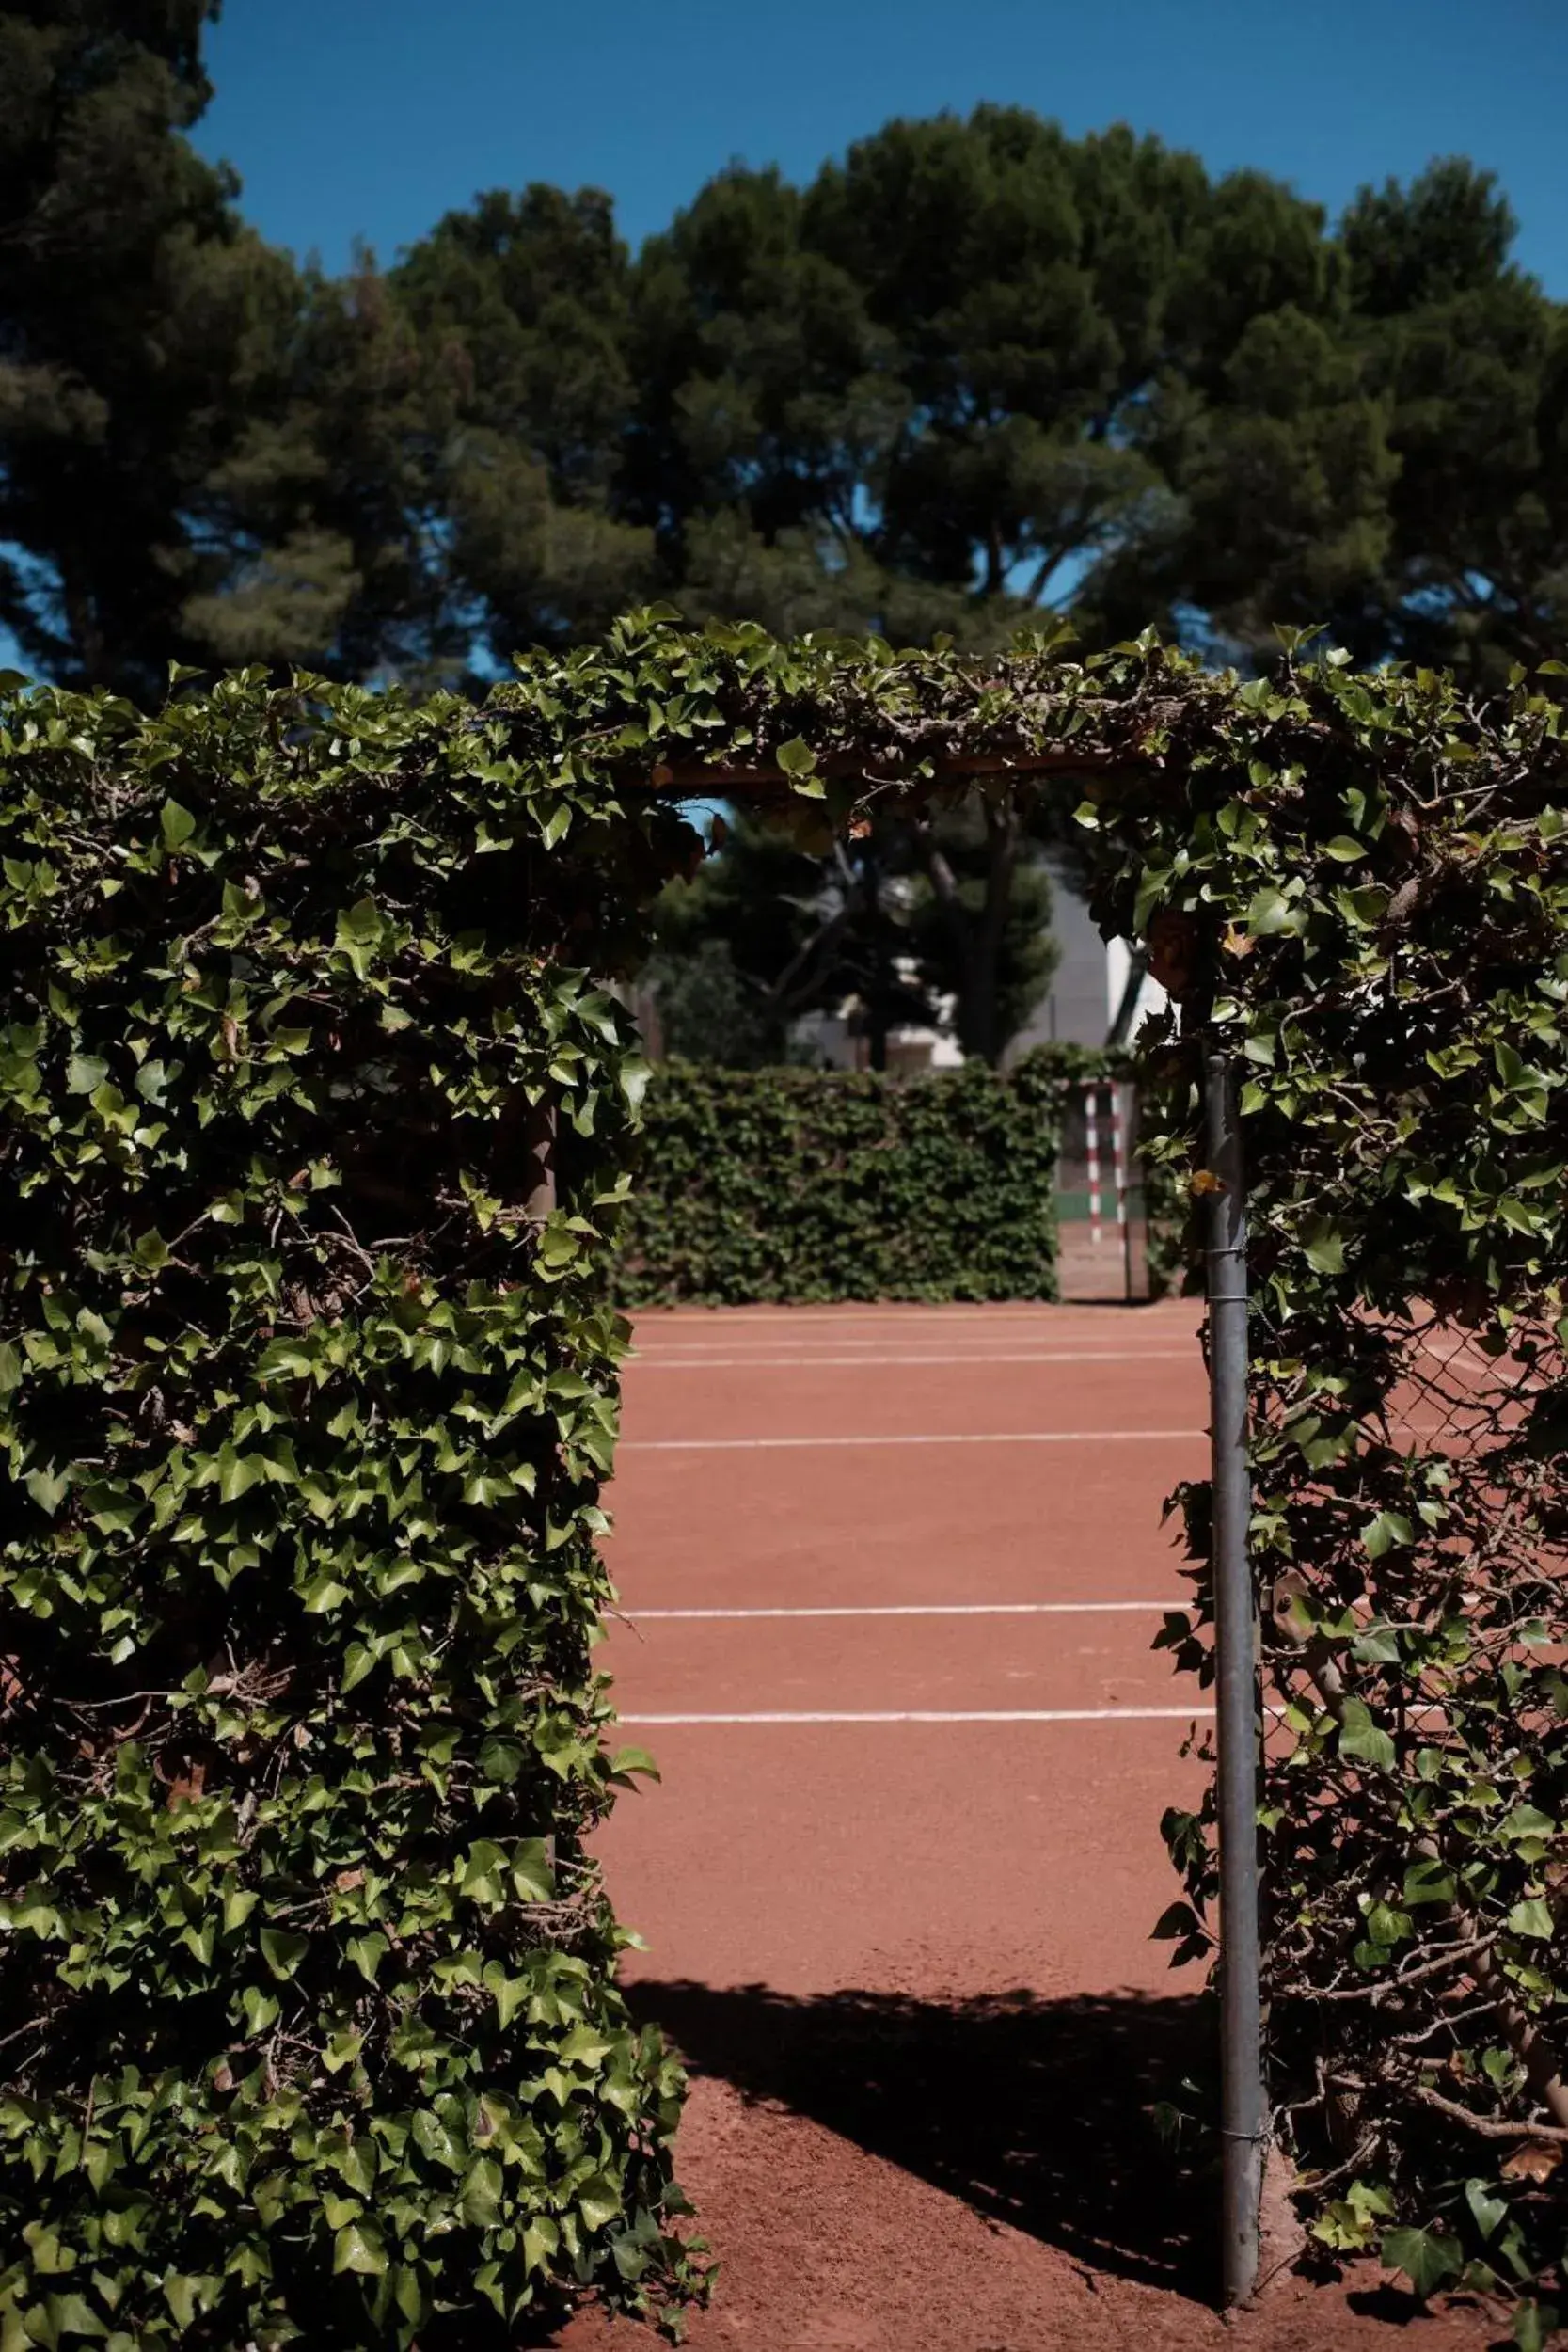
{"points": [[1417, 1741]]}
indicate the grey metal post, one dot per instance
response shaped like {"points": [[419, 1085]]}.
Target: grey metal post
{"points": [[1243, 2116]]}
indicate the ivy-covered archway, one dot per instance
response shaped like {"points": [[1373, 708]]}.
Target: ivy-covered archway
{"points": [[317, 1124]]}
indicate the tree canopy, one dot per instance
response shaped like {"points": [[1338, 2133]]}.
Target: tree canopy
{"points": [[975, 371], [976, 374]]}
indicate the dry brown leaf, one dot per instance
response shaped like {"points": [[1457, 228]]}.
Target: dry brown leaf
{"points": [[1206, 1181], [1237, 942], [1173, 951], [1288, 1607], [1537, 2160]]}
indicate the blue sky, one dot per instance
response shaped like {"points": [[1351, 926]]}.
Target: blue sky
{"points": [[369, 118]]}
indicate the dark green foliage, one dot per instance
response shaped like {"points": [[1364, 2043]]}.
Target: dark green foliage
{"points": [[1383, 453], [809, 1184], [323, 535], [306, 1419], [520, 307], [748, 942], [132, 306], [308, 1978], [1371, 888], [974, 372], [709, 1010], [940, 920]]}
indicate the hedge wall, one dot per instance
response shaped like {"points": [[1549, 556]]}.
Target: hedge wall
{"points": [[310, 2027], [311, 2030], [1360, 889], [812, 1184]]}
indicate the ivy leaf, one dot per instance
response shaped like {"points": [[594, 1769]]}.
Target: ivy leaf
{"points": [[283, 1950], [176, 824], [1363, 1739], [510, 1993], [1429, 1880], [73, 2315], [481, 2202], [1388, 1528], [432, 2137], [260, 2011], [483, 1875], [1386, 1926], [1270, 911], [358, 2248], [500, 1761], [48, 1487], [368, 1952], [1426, 2259], [1488, 2212], [85, 1074], [1534, 2323], [1532, 1918], [1323, 1246], [584, 2047], [799, 763], [598, 2202], [530, 1871], [541, 2239]]}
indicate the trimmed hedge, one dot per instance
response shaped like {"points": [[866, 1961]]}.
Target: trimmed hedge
{"points": [[312, 2028], [1359, 889], [810, 1184]]}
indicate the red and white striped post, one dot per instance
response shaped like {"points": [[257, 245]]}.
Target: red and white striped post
{"points": [[1091, 1154]]}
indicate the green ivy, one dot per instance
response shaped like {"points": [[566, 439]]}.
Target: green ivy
{"points": [[311, 2032], [1364, 887], [808, 1185], [311, 2027]]}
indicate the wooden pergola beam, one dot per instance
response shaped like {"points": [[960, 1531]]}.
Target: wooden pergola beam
{"points": [[697, 780]]}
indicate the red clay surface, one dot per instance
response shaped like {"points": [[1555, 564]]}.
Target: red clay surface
{"points": [[908, 1960]]}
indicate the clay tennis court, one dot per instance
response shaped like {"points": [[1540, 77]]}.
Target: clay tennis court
{"points": [[890, 1577]]}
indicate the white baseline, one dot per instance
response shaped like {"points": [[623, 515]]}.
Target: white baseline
{"points": [[880, 1363], [986, 1436], [917, 1608], [945, 1715]]}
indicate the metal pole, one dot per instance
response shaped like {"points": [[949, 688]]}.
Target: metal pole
{"points": [[1243, 2117]]}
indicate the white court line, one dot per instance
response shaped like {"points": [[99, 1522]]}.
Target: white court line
{"points": [[735, 1323], [922, 1609], [873, 1363], [943, 1715], [887, 1318], [1001, 1437]]}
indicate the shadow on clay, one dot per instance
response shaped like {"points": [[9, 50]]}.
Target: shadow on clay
{"points": [[1037, 2113]]}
